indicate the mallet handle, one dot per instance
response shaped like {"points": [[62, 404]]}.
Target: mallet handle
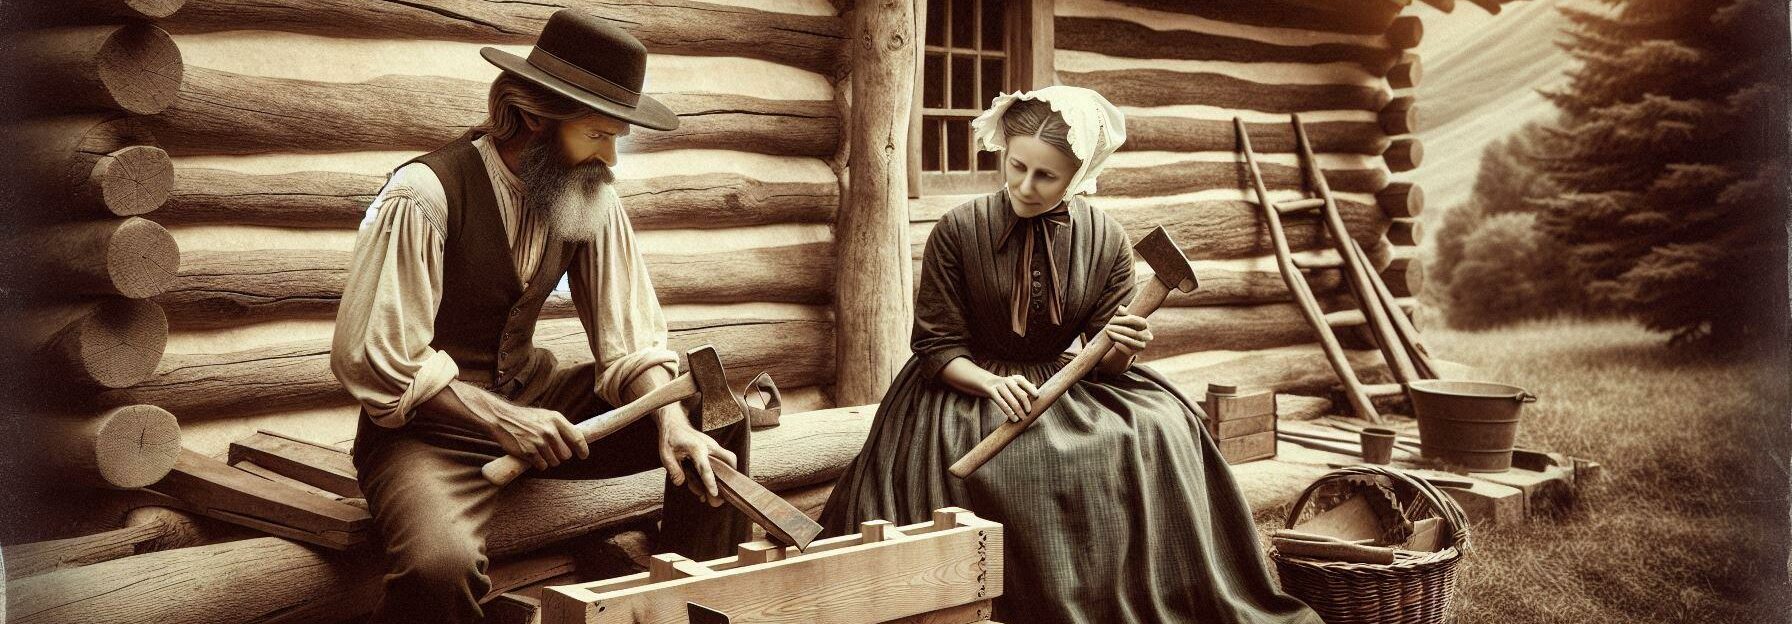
{"points": [[503, 470], [1149, 298]]}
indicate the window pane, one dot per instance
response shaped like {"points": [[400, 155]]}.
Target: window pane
{"points": [[964, 81], [933, 87], [936, 22], [994, 24], [958, 145], [930, 144], [987, 161], [993, 82], [964, 23]]}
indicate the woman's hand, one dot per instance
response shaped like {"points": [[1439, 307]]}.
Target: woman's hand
{"points": [[1130, 333], [1013, 394]]}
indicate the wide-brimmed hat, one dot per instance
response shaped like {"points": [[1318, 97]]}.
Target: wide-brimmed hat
{"points": [[583, 58]]}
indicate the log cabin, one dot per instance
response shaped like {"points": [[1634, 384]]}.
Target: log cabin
{"points": [[193, 173]]}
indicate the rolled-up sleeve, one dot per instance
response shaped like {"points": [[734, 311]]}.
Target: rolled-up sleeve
{"points": [[940, 334], [386, 320], [617, 306]]}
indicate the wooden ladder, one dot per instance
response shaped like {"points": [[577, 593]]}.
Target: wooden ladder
{"points": [[1397, 339]]}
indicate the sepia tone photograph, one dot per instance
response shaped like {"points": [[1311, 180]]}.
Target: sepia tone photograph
{"points": [[896, 311]]}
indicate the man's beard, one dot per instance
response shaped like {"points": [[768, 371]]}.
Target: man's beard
{"points": [[568, 196]]}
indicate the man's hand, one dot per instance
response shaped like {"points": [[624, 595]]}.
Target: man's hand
{"points": [[679, 441], [542, 437]]}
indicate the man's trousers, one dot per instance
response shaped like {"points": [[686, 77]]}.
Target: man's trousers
{"points": [[433, 508]]}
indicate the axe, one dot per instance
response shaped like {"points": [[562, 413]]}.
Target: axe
{"points": [[1172, 273]]}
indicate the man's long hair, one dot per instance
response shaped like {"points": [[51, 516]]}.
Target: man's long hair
{"points": [[511, 97]]}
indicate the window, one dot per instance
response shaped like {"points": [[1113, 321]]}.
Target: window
{"points": [[973, 50]]}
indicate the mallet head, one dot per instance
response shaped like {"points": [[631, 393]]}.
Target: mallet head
{"points": [[1166, 260], [720, 407]]}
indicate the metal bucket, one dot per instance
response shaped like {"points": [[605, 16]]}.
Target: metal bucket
{"points": [[1471, 424]]}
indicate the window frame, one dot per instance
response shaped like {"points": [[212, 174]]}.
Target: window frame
{"points": [[1028, 49]]}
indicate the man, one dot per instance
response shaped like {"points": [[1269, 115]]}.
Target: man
{"points": [[434, 334]]}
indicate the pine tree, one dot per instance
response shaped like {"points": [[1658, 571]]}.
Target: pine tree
{"points": [[1670, 158]]}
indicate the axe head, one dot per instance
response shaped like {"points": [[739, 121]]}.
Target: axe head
{"points": [[1166, 260], [720, 407]]}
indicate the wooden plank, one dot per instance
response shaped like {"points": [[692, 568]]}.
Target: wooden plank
{"points": [[972, 613], [211, 488], [320, 466], [868, 582], [1153, 133]]}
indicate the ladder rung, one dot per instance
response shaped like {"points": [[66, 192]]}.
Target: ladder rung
{"points": [[1300, 205], [1344, 318], [1316, 261], [1384, 390]]}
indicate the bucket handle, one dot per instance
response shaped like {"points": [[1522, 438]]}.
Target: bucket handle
{"points": [[1526, 397]]}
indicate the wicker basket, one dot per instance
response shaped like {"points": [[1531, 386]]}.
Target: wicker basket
{"points": [[1413, 589]]}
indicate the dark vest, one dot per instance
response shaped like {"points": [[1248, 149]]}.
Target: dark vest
{"points": [[486, 320]]}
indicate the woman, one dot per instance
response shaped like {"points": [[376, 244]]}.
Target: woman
{"points": [[1116, 505]]}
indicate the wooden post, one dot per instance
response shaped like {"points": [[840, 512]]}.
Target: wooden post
{"points": [[872, 305]]}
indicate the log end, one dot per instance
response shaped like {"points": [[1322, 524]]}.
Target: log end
{"points": [[136, 446], [134, 180], [1404, 155], [155, 9], [1407, 73], [1401, 200], [141, 69], [1405, 32], [1405, 232], [142, 258], [120, 344]]}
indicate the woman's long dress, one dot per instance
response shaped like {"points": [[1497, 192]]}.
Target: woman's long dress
{"points": [[1115, 504]]}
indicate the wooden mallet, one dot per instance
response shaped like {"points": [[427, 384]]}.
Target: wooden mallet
{"points": [[703, 375], [1172, 273]]}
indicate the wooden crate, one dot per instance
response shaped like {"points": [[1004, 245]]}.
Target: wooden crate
{"points": [[1242, 423], [944, 571]]}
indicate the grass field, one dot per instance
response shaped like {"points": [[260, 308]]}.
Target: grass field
{"points": [[1690, 521]]}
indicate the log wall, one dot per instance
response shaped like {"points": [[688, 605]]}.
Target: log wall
{"points": [[1181, 72], [290, 118]]}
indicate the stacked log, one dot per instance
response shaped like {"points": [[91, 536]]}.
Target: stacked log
{"points": [[80, 263], [276, 580]]}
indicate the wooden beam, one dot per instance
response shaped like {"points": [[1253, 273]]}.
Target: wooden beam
{"points": [[1405, 232], [1400, 116], [221, 112], [1407, 73], [1404, 154], [132, 257], [331, 199], [106, 342], [1401, 200], [125, 447], [1189, 176], [39, 14], [211, 488], [85, 166], [872, 305], [1120, 38], [962, 562], [1362, 18], [1163, 87], [322, 467], [1406, 32], [135, 68], [798, 352], [1182, 134], [681, 27], [227, 288]]}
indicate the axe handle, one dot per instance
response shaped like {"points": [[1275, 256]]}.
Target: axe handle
{"points": [[503, 470], [1149, 298]]}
